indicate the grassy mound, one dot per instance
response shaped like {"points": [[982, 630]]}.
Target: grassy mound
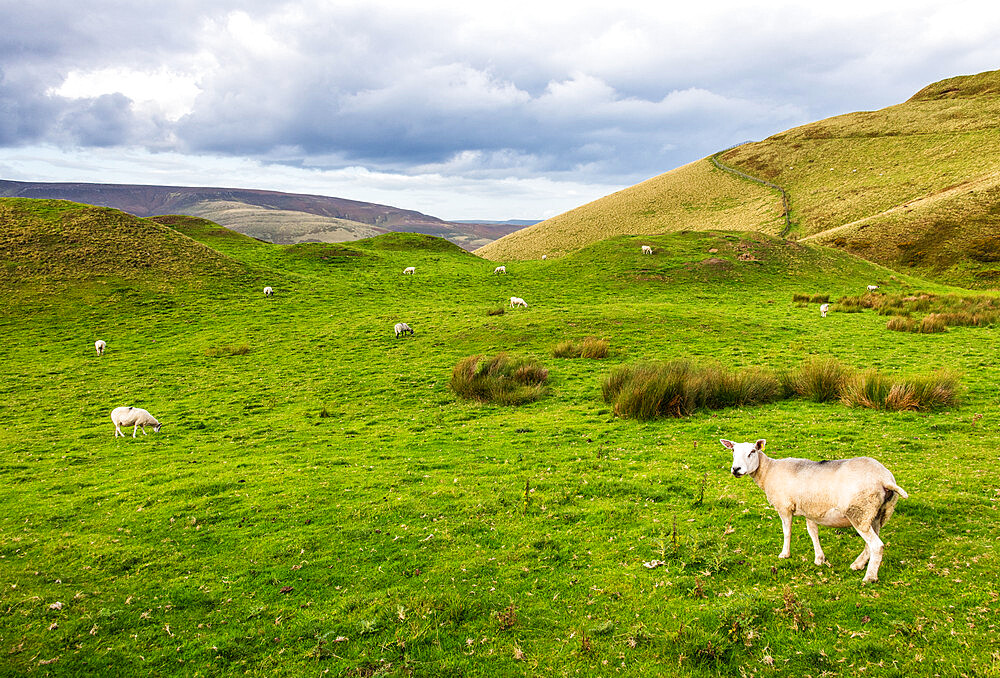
{"points": [[59, 241]]}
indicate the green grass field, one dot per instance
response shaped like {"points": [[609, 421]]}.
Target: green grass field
{"points": [[323, 504]]}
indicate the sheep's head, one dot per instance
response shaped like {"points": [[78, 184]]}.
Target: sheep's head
{"points": [[746, 456], [156, 429]]}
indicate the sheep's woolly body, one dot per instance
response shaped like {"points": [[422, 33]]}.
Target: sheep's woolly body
{"points": [[99, 346], [268, 291], [858, 492], [135, 417], [518, 301], [409, 270], [402, 328]]}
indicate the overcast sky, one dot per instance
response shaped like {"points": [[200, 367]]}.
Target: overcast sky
{"points": [[509, 110]]}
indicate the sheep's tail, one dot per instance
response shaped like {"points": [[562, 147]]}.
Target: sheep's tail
{"points": [[896, 488]]}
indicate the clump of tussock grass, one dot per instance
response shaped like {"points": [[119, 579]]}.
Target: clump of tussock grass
{"points": [[679, 388], [500, 310], [900, 324], [942, 311], [502, 379], [811, 298], [817, 379], [877, 391], [227, 350], [591, 347]]}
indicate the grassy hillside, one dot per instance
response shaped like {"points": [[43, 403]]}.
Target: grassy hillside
{"points": [[318, 501], [51, 246], [694, 197], [912, 186]]}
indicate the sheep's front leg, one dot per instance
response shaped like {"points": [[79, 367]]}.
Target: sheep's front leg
{"points": [[861, 560], [134, 429], [786, 528], [813, 530]]}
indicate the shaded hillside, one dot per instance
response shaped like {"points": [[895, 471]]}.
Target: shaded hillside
{"points": [[59, 242], [912, 186], [268, 215]]}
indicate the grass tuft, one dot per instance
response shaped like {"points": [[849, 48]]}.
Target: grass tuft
{"points": [[818, 379], [227, 350], [876, 391], [502, 379], [591, 347]]}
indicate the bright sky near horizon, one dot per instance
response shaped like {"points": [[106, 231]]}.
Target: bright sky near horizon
{"points": [[500, 111]]}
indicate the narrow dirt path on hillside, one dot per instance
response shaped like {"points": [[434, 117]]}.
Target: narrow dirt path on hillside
{"points": [[785, 204]]}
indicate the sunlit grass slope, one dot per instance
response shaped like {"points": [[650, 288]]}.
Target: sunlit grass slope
{"points": [[697, 196], [915, 186], [319, 502], [51, 246]]}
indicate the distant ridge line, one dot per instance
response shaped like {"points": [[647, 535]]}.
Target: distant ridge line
{"points": [[785, 204]]}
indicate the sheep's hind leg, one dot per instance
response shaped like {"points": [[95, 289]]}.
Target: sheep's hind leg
{"points": [[134, 429], [873, 550], [814, 535]]}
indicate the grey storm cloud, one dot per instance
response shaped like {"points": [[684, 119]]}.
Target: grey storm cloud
{"points": [[605, 93]]}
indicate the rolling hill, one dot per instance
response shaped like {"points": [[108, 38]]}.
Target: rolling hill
{"points": [[271, 216], [915, 187]]}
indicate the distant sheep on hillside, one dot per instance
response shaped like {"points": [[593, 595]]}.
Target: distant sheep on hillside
{"points": [[100, 346], [409, 270], [500, 269], [402, 328], [823, 309], [268, 291], [646, 249], [134, 417], [872, 288], [543, 257], [518, 301]]}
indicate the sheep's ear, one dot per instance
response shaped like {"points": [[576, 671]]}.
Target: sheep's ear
{"points": [[759, 446], [728, 444]]}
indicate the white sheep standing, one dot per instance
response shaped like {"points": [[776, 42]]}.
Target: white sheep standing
{"points": [[268, 291], [409, 270], [99, 345], [858, 492], [402, 328], [518, 301], [872, 288], [646, 249], [500, 269], [134, 417], [823, 309], [543, 257]]}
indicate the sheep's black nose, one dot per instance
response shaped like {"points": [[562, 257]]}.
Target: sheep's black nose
{"points": [[737, 472]]}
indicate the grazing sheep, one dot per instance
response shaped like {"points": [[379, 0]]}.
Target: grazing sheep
{"points": [[500, 269], [134, 417], [646, 249], [518, 301], [402, 328], [409, 270], [100, 346], [823, 309], [858, 492], [872, 288], [268, 291]]}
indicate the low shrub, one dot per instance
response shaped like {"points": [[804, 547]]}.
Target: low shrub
{"points": [[496, 311], [591, 347], [679, 388], [901, 324], [876, 391], [931, 324], [818, 379], [811, 298], [502, 379]]}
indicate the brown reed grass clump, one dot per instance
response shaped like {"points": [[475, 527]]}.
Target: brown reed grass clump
{"points": [[878, 392], [502, 379], [591, 347], [817, 379]]}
